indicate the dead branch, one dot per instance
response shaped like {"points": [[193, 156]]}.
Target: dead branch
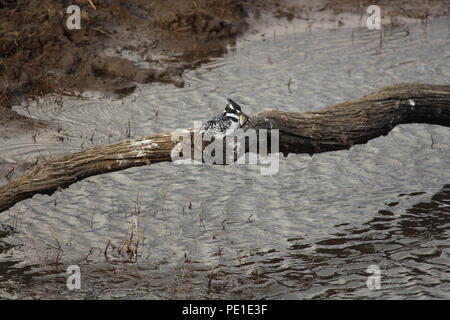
{"points": [[337, 127]]}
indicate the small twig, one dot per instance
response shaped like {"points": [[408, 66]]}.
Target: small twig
{"points": [[210, 282], [92, 136], [106, 249], [106, 34], [10, 172], [87, 256], [226, 283], [289, 85], [128, 129], [58, 255], [92, 5], [381, 37], [136, 249]]}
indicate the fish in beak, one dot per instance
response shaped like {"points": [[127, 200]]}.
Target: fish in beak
{"points": [[243, 119]]}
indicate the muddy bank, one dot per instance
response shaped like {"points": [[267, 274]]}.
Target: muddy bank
{"points": [[122, 43], [119, 44]]}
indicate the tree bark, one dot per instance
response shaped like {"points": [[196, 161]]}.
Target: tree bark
{"points": [[337, 127], [355, 122]]}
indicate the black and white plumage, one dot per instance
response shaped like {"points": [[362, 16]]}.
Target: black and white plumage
{"points": [[226, 123]]}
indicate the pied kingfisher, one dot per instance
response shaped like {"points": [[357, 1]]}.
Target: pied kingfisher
{"points": [[226, 123]]}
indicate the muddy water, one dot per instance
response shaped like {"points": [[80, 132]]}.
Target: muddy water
{"points": [[310, 231]]}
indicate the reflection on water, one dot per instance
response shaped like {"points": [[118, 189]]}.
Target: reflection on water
{"points": [[310, 231]]}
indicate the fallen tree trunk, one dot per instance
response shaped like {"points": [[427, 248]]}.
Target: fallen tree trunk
{"points": [[337, 127], [355, 122]]}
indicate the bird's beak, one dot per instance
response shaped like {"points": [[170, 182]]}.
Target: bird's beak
{"points": [[243, 119]]}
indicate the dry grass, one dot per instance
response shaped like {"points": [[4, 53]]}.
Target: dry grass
{"points": [[128, 248]]}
